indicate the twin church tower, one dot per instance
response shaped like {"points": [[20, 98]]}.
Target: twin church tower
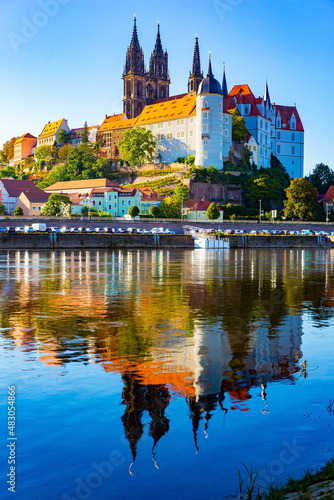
{"points": [[143, 87]]}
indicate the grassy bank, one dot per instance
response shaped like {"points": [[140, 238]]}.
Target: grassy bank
{"points": [[311, 486]]}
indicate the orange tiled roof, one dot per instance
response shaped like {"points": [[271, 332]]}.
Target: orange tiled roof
{"points": [[168, 109], [87, 183], [109, 121], [117, 125], [244, 89]]}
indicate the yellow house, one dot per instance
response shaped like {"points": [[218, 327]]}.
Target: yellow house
{"points": [[50, 132]]}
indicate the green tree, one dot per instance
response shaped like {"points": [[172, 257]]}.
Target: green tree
{"points": [[181, 192], [322, 178], [2, 209], [85, 134], [261, 187], [63, 136], [7, 172], [137, 146], [55, 205], [133, 211], [190, 160], [43, 153], [239, 129], [212, 212], [64, 151], [18, 212], [154, 210], [301, 200], [171, 208]]}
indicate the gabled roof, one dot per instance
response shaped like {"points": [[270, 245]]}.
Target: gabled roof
{"points": [[25, 136], [36, 196], [148, 194], [51, 128], [329, 196], [241, 89], [229, 103], [87, 183], [203, 205], [15, 187], [285, 113], [168, 109]]}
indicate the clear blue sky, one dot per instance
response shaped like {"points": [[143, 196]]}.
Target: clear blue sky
{"points": [[68, 63]]}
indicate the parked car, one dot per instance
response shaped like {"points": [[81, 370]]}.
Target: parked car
{"points": [[10, 229], [74, 230], [19, 229], [55, 230], [2, 229], [89, 230]]}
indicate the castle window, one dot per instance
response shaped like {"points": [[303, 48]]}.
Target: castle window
{"points": [[107, 140], [220, 105], [205, 105], [266, 139], [205, 128], [169, 124], [220, 143], [204, 115], [293, 150], [220, 116], [226, 132], [261, 124], [293, 136], [226, 119], [205, 141], [278, 136], [254, 148], [278, 148], [182, 134], [191, 120], [191, 133], [178, 135], [220, 129], [221, 155], [205, 154], [139, 89], [160, 125], [160, 137]]}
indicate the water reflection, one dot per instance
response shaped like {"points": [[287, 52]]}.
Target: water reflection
{"points": [[207, 326]]}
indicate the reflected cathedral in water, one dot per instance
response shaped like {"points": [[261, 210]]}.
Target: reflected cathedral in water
{"points": [[213, 328]]}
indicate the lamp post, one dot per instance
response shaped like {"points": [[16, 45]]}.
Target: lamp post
{"points": [[260, 212], [182, 208]]}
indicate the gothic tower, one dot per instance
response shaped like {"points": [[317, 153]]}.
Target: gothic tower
{"points": [[134, 77], [196, 76], [157, 84]]}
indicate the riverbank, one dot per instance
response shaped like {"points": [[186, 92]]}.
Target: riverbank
{"points": [[312, 486], [69, 241]]}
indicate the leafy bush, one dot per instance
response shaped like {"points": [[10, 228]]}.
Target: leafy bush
{"points": [[18, 212]]}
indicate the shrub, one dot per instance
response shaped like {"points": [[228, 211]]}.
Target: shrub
{"points": [[154, 211], [18, 212], [133, 211]]}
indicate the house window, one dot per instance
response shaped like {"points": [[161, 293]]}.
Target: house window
{"points": [[205, 128], [191, 133], [205, 141], [129, 202], [39, 208], [182, 134], [226, 119], [254, 148], [122, 202], [34, 208], [220, 129], [220, 116], [226, 132], [115, 205], [160, 125], [109, 207], [169, 124], [204, 115], [178, 135], [191, 120]]}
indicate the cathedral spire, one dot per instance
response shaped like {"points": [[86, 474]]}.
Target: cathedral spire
{"points": [[158, 45], [224, 86], [135, 42], [196, 76]]}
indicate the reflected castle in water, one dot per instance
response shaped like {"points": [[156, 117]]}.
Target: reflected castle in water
{"points": [[214, 328]]}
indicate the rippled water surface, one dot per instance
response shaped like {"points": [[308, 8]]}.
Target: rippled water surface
{"points": [[154, 374]]}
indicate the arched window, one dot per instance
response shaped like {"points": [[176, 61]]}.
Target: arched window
{"points": [[293, 136], [128, 89], [149, 92], [293, 150], [139, 89], [278, 148]]}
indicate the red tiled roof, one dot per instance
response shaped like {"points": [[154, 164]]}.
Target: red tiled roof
{"points": [[229, 103], [286, 113], [329, 196], [204, 205]]}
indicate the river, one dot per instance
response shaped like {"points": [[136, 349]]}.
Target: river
{"points": [[159, 374]]}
